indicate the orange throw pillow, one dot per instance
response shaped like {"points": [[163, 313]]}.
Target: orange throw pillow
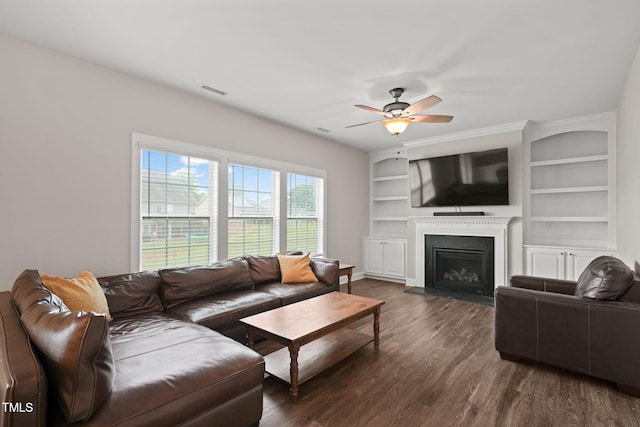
{"points": [[80, 294], [296, 269]]}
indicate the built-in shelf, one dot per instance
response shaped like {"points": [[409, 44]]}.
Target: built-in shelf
{"points": [[569, 183], [570, 190], [390, 218], [390, 178], [578, 244], [390, 198], [569, 219], [582, 159]]}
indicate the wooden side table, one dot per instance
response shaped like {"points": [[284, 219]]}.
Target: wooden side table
{"points": [[347, 270]]}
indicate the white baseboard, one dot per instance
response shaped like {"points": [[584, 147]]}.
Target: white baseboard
{"points": [[412, 281], [354, 276], [388, 279]]}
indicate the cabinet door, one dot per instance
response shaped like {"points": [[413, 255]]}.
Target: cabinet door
{"points": [[545, 262], [578, 260], [394, 255], [373, 256]]}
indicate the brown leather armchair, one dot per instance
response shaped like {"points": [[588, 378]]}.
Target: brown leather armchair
{"points": [[590, 326]]}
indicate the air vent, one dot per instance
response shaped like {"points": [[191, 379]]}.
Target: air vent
{"points": [[324, 130], [214, 90]]}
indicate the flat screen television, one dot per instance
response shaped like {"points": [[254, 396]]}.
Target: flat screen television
{"points": [[478, 178]]}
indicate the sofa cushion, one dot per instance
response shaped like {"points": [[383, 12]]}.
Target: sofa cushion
{"points": [[170, 372], [605, 278], [75, 347], [186, 283], [80, 294], [263, 269], [132, 293], [223, 311], [296, 269], [294, 292]]}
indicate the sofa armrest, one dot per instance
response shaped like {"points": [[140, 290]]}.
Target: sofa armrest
{"points": [[23, 382], [567, 287], [523, 315], [327, 271]]}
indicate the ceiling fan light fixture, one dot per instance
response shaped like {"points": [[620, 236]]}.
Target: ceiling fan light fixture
{"points": [[396, 126], [398, 115]]}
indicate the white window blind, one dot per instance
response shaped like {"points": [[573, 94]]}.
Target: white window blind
{"points": [[178, 210], [305, 213], [254, 204], [179, 193]]}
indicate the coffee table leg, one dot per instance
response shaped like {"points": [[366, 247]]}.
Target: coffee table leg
{"points": [[376, 329], [349, 279], [293, 372]]}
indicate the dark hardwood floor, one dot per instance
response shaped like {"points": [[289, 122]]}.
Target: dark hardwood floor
{"points": [[437, 366]]}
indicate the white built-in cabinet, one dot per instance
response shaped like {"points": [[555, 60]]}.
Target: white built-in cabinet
{"points": [[385, 257], [569, 180], [559, 262], [385, 248]]}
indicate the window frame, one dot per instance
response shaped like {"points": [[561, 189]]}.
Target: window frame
{"points": [[276, 200], [153, 213], [320, 210], [223, 158]]}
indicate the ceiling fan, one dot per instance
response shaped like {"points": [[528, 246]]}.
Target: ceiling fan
{"points": [[398, 115]]}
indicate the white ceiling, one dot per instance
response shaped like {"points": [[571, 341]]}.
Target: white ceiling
{"points": [[306, 63]]}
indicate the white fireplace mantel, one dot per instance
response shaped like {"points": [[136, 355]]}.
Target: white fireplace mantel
{"points": [[482, 226]]}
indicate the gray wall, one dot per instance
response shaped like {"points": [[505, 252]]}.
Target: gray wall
{"points": [[628, 167], [65, 161]]}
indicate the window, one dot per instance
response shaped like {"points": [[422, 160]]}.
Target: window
{"points": [[177, 225], [253, 211], [194, 205], [305, 213]]}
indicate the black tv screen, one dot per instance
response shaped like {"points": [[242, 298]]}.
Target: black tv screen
{"points": [[479, 178]]}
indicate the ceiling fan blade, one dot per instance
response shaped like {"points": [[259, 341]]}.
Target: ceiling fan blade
{"points": [[371, 109], [432, 119], [360, 124], [423, 104]]}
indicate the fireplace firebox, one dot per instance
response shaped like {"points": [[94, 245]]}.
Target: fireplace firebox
{"points": [[460, 263]]}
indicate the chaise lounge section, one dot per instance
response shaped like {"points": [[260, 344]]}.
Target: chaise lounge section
{"points": [[170, 356]]}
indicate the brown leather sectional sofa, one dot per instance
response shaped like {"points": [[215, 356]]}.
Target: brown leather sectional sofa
{"points": [[590, 326], [165, 359]]}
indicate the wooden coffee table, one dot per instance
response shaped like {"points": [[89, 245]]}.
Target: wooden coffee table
{"points": [[318, 324]]}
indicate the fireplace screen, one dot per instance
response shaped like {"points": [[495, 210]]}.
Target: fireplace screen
{"points": [[460, 263]]}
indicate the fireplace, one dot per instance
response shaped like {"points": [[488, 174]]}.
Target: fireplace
{"points": [[460, 263], [495, 227]]}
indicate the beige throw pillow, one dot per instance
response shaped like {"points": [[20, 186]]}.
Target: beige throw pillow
{"points": [[80, 294], [296, 269]]}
